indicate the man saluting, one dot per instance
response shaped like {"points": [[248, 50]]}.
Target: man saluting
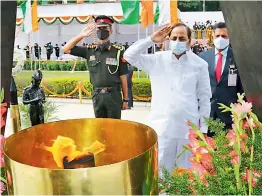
{"points": [[180, 90], [106, 66]]}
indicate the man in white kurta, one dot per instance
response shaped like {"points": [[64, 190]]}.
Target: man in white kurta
{"points": [[180, 91]]}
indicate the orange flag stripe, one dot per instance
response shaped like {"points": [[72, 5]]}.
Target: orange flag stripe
{"points": [[147, 14], [173, 11], [34, 16]]}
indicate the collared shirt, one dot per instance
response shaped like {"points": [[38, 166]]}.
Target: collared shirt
{"points": [[224, 58], [180, 88]]}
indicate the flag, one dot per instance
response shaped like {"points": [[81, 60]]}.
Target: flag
{"points": [[166, 12], [131, 11], [27, 16], [147, 14], [34, 16]]}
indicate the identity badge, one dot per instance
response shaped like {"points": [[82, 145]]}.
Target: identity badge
{"points": [[232, 79]]}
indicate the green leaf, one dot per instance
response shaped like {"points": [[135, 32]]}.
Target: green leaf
{"points": [[186, 148], [254, 117], [2, 95]]}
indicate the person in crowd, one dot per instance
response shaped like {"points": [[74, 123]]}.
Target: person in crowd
{"points": [[126, 45], [224, 78], [180, 90], [27, 51], [49, 50], [106, 66], [57, 51], [130, 86], [37, 50]]}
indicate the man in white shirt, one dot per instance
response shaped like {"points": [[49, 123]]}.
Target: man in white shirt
{"points": [[180, 90]]}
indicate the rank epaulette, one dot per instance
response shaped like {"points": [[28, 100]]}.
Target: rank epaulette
{"points": [[92, 46], [121, 48]]}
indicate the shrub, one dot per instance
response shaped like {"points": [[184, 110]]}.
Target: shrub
{"points": [[55, 65], [141, 87]]}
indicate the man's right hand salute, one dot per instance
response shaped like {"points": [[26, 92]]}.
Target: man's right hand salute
{"points": [[162, 34], [88, 30]]}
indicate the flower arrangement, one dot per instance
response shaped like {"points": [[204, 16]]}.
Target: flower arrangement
{"points": [[229, 164], [2, 139]]}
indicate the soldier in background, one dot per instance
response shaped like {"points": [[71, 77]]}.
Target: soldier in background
{"points": [[126, 46], [49, 50], [37, 50], [27, 51], [57, 50], [130, 86]]}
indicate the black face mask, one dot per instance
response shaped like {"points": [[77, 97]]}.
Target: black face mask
{"points": [[102, 34]]}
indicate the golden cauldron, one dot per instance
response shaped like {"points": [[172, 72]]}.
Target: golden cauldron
{"points": [[128, 166]]}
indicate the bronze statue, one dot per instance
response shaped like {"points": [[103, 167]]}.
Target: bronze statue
{"points": [[35, 96]]}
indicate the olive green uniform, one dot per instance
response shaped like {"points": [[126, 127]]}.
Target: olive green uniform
{"points": [[105, 66]]}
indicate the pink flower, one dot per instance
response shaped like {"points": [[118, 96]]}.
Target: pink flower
{"points": [[245, 107], [2, 187], [210, 141], [2, 140], [234, 157], [232, 137], [255, 177]]}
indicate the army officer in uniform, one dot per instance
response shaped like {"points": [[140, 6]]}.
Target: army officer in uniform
{"points": [[107, 68]]}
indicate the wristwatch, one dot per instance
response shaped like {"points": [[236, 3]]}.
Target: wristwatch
{"points": [[125, 100]]}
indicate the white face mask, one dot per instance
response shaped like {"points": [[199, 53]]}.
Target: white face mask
{"points": [[221, 43], [178, 47]]}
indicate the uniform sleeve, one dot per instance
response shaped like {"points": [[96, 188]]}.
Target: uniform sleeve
{"points": [[204, 94], [134, 55], [123, 69], [80, 51]]}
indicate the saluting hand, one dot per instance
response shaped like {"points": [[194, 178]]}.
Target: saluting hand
{"points": [[162, 34], [88, 30]]}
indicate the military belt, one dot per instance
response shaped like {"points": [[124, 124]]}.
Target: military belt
{"points": [[106, 89]]}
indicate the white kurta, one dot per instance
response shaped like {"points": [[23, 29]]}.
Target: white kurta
{"points": [[180, 92]]}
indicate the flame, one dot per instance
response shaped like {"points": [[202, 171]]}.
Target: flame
{"points": [[65, 147]]}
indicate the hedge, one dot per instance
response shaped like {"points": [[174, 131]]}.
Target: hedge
{"points": [[141, 87], [56, 65]]}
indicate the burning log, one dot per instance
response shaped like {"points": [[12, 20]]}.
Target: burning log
{"points": [[82, 161]]}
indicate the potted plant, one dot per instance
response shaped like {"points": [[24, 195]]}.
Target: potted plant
{"points": [[228, 164]]}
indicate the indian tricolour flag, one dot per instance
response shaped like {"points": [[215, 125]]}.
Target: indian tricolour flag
{"points": [[30, 19], [166, 12]]}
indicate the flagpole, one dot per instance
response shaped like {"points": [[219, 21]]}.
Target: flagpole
{"points": [[154, 48], [30, 52], [138, 38], [147, 49], [33, 51], [39, 53]]}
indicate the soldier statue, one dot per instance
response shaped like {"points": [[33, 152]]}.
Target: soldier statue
{"points": [[35, 96]]}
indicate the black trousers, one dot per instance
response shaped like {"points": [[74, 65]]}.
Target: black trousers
{"points": [[107, 105], [48, 54]]}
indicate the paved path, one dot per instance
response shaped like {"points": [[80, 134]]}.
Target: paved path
{"points": [[72, 109]]}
